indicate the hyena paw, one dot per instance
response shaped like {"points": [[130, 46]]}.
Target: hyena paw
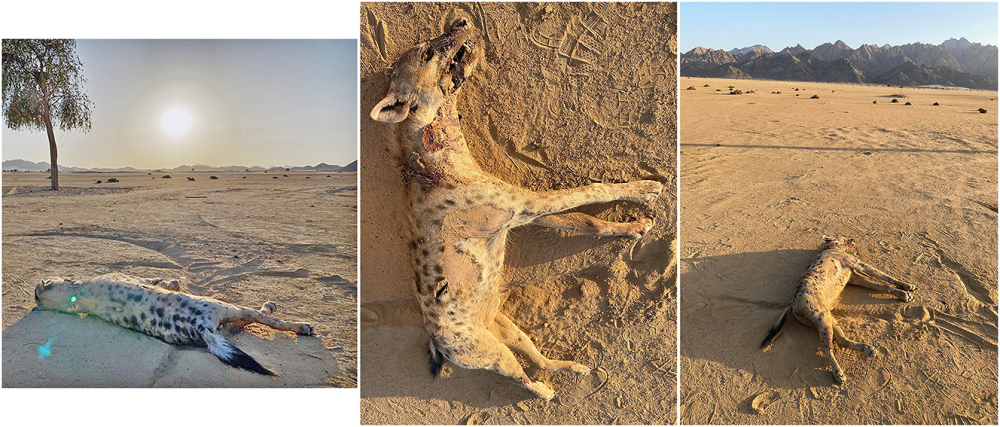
{"points": [[306, 329], [642, 226], [578, 369], [541, 390], [907, 287], [647, 191], [269, 307], [838, 376], [869, 351], [905, 296], [170, 285]]}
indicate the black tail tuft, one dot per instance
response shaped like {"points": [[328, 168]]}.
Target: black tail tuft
{"points": [[436, 359], [776, 329], [232, 356], [242, 360]]}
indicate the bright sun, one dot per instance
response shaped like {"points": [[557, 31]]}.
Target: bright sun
{"points": [[176, 122]]}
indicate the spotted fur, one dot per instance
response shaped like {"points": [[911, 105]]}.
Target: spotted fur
{"points": [[819, 288], [156, 308], [460, 215]]}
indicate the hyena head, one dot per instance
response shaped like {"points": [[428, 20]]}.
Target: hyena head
{"points": [[840, 242], [56, 293], [425, 76]]}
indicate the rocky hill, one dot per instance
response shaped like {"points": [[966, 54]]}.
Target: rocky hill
{"points": [[952, 63], [29, 166]]}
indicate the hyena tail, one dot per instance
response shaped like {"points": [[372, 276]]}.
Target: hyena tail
{"points": [[436, 358], [776, 329], [232, 356]]}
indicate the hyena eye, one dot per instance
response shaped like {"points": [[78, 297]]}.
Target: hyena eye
{"points": [[428, 54]]}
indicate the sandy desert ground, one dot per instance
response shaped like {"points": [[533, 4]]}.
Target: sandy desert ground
{"points": [[244, 241], [568, 94], [763, 177]]}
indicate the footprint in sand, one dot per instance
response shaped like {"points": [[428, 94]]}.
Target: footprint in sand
{"points": [[585, 387]]}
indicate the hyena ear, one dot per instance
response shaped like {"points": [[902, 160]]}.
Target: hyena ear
{"points": [[48, 282], [390, 109], [828, 238]]}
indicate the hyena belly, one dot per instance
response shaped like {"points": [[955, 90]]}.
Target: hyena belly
{"points": [[458, 263], [172, 317]]}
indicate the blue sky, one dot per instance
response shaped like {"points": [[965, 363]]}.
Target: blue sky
{"points": [[250, 102], [779, 25]]}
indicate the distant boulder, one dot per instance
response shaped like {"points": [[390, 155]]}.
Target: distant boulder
{"points": [[907, 103], [112, 179], [690, 88], [166, 176], [982, 111], [895, 100], [98, 182], [814, 97], [213, 177], [935, 104], [190, 178]]}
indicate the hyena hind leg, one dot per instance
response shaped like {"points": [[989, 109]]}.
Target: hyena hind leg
{"points": [[510, 335], [825, 325], [582, 223], [247, 315], [483, 350], [859, 280]]}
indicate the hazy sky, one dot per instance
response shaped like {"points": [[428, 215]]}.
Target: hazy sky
{"points": [[779, 25], [246, 102]]}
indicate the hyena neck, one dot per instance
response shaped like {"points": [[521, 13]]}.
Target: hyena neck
{"points": [[441, 141]]}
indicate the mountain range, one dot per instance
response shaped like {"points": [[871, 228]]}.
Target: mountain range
{"points": [[958, 63], [29, 166]]}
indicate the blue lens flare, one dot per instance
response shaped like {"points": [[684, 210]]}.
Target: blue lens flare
{"points": [[45, 350], [72, 299]]}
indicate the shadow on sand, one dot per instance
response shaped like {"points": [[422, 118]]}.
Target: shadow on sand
{"points": [[52, 349]]}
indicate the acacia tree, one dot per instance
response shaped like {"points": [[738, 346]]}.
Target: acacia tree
{"points": [[42, 85]]}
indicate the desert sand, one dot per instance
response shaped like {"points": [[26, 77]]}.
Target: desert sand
{"points": [[763, 177], [244, 241], [567, 94]]}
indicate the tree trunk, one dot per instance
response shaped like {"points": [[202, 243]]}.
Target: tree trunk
{"points": [[53, 153]]}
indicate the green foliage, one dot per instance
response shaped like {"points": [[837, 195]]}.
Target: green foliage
{"points": [[42, 79]]}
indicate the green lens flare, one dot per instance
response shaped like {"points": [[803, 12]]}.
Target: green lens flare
{"points": [[72, 298]]}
